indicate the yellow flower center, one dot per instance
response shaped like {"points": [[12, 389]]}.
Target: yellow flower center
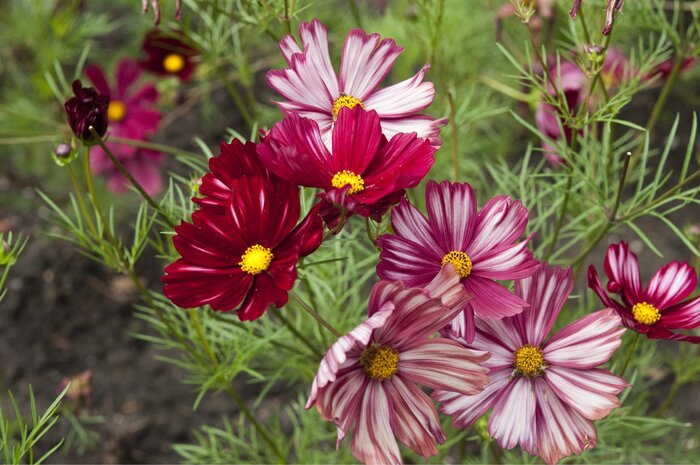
{"points": [[345, 101], [380, 362], [529, 360], [255, 259], [116, 111], [345, 177], [461, 262], [645, 313], [173, 63]]}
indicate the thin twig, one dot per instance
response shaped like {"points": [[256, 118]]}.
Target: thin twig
{"points": [[315, 314]]}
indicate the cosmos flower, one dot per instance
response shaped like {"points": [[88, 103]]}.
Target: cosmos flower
{"points": [[87, 108], [363, 172], [132, 115], [481, 245], [657, 309], [313, 90], [245, 257], [369, 377], [169, 54], [544, 394]]}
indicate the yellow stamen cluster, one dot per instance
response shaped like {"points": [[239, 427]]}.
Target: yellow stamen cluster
{"points": [[256, 259], [173, 63], [529, 360], [380, 362], [345, 101], [461, 262], [646, 313], [345, 177], [116, 111]]}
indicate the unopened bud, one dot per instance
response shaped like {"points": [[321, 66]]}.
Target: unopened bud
{"points": [[62, 150]]}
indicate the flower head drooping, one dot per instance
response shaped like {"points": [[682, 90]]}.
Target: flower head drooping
{"points": [[169, 54], [155, 6], [241, 249], [482, 246], [368, 378], [544, 395], [313, 90], [87, 108], [659, 308], [132, 115], [362, 173], [614, 6]]}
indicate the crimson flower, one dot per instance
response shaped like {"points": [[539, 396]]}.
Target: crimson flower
{"points": [[545, 394], [657, 309], [87, 108], [132, 115], [313, 90], [363, 172], [369, 377], [169, 54], [481, 245], [242, 253]]}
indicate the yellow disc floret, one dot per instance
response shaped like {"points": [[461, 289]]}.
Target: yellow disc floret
{"points": [[461, 262], [345, 177], [345, 101], [646, 313], [529, 360], [255, 259], [116, 111], [380, 362], [173, 63]]}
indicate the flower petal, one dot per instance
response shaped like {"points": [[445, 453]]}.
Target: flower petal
{"points": [[408, 222], [97, 77], [592, 392], [452, 214], [373, 441], [501, 221], [425, 127], [587, 342], [671, 284], [128, 72], [506, 262], [356, 138], [403, 99], [341, 400], [622, 269], [190, 286], [512, 420], [683, 316], [491, 300], [404, 260]]}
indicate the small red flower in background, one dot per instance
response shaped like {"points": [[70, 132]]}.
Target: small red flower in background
{"points": [[169, 54], [87, 108], [363, 173], [369, 378], [657, 309], [80, 390], [132, 115], [245, 257]]}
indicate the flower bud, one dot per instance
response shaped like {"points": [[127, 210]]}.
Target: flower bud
{"points": [[64, 154], [87, 108]]}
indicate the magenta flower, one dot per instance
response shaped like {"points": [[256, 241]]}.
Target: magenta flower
{"points": [[312, 89], [368, 377], [363, 172], [482, 246], [132, 115], [657, 309], [544, 395]]}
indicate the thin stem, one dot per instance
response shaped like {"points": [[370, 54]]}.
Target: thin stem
{"points": [[633, 348], [315, 314], [241, 105], [355, 13], [496, 451], [562, 214], [453, 134], [153, 146], [298, 334], [371, 237], [287, 19], [672, 393], [620, 187], [81, 201], [133, 181]]}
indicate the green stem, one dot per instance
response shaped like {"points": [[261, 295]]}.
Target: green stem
{"points": [[630, 353], [453, 134], [241, 105], [562, 214], [371, 237], [672, 393], [315, 314], [298, 334], [153, 146], [81, 201], [355, 13], [131, 179]]}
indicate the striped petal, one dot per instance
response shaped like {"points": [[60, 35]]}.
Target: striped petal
{"points": [[622, 268], [593, 392], [452, 214], [670, 285], [491, 300], [501, 221], [403, 99], [373, 441], [512, 420]]}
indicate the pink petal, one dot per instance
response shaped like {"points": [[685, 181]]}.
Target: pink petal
{"points": [[506, 262], [314, 37], [461, 328], [587, 342], [491, 300], [147, 172], [465, 410], [356, 138], [425, 127], [128, 72], [512, 420], [561, 430], [546, 291], [683, 316], [403, 99], [671, 284], [500, 339], [416, 422], [408, 222], [365, 62], [452, 214], [340, 400], [446, 365], [373, 441], [622, 269], [592, 392], [501, 221], [288, 47], [406, 261], [97, 77]]}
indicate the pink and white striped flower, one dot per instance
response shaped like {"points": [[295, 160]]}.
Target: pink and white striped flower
{"points": [[368, 377], [544, 394], [481, 245], [313, 90]]}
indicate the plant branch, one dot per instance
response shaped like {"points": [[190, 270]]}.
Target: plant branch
{"points": [[315, 314]]}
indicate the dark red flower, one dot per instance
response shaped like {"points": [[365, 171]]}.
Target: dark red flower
{"points": [[87, 108], [169, 54], [241, 249], [364, 173], [656, 309]]}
